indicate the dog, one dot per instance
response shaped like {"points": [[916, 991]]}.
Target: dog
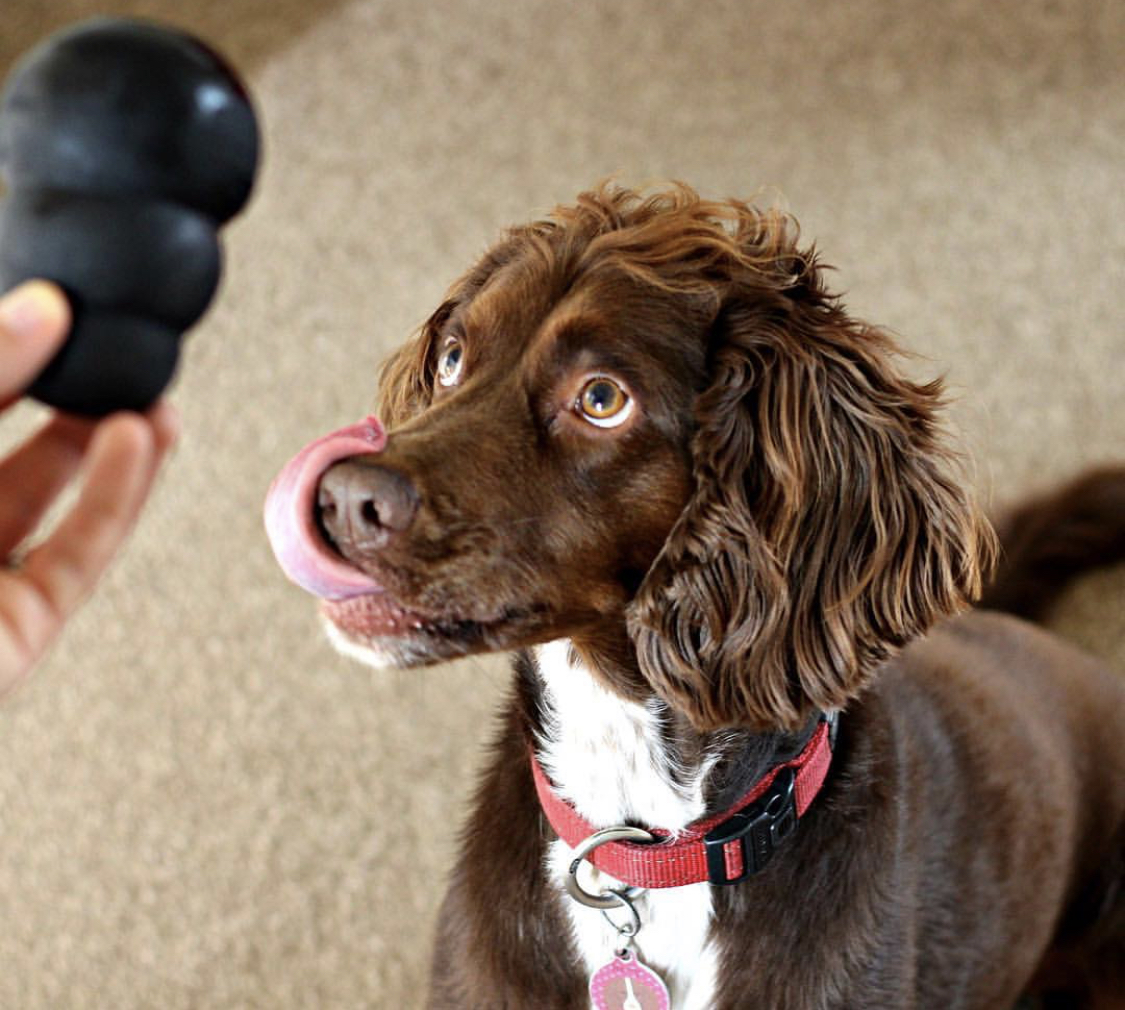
{"points": [[758, 751]]}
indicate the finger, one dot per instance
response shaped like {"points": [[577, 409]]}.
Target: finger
{"points": [[34, 319], [165, 420], [34, 474], [21, 610], [122, 461], [35, 602]]}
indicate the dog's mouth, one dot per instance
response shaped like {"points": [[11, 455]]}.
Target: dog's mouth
{"points": [[376, 629], [374, 615], [358, 606]]}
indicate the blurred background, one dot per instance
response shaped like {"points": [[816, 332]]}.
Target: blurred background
{"points": [[201, 805]]}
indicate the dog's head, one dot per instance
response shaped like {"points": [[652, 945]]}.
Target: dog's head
{"points": [[644, 424]]}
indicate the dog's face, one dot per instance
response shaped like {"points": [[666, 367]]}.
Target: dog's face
{"points": [[542, 466], [645, 425]]}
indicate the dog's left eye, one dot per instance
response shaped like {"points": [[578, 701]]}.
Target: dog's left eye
{"points": [[604, 403], [450, 362]]}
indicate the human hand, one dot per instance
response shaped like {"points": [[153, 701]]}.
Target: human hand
{"points": [[119, 457]]}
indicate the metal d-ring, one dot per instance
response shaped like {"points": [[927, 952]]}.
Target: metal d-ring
{"points": [[607, 899], [627, 931]]}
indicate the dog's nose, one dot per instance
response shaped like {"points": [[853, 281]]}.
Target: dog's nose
{"points": [[361, 506]]}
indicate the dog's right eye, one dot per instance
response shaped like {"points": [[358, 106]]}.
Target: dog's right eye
{"points": [[604, 403], [450, 362]]}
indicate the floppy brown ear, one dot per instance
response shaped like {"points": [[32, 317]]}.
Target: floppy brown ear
{"points": [[829, 525], [406, 381]]}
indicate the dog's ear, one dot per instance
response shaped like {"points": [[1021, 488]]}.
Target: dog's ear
{"points": [[406, 382], [829, 524]]}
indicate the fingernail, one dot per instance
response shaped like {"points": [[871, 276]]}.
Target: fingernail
{"points": [[30, 310]]}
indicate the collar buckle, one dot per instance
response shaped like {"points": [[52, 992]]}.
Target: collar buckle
{"points": [[746, 841]]}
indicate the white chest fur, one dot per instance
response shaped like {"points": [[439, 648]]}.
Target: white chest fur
{"points": [[607, 757]]}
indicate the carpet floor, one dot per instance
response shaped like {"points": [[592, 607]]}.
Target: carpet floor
{"points": [[201, 805]]}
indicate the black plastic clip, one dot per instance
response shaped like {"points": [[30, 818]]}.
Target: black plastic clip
{"points": [[759, 830]]}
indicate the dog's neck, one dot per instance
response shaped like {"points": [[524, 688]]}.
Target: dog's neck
{"points": [[633, 760]]}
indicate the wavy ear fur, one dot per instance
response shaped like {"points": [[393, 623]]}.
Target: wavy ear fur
{"points": [[406, 381], [829, 524]]}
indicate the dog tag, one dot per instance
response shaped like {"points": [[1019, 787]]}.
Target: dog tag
{"points": [[626, 984]]}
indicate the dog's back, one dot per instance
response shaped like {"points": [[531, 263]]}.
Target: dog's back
{"points": [[1010, 744], [1045, 545]]}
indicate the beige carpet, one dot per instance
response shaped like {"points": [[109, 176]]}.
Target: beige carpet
{"points": [[200, 804]]}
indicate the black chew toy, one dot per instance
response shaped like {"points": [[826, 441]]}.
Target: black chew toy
{"points": [[125, 145]]}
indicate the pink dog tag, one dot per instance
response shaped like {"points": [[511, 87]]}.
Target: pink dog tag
{"points": [[626, 984]]}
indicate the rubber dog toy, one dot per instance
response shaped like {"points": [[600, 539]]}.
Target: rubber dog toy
{"points": [[125, 146]]}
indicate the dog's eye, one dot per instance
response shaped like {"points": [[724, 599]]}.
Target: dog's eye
{"points": [[604, 403], [450, 362]]}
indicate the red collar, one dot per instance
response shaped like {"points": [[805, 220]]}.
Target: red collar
{"points": [[723, 849]]}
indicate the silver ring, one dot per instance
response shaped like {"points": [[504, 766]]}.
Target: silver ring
{"points": [[630, 929], [607, 899]]}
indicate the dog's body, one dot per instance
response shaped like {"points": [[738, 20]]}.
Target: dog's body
{"points": [[964, 831], [957, 823], [641, 444]]}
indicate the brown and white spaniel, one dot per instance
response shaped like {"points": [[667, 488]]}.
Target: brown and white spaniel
{"points": [[643, 446]]}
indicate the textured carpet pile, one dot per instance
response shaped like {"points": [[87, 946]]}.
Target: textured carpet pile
{"points": [[200, 804]]}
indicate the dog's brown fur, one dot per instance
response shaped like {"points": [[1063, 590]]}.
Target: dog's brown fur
{"points": [[772, 533]]}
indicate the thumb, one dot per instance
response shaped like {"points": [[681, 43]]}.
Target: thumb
{"points": [[34, 320]]}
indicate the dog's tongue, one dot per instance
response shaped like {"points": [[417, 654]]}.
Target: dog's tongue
{"points": [[290, 514]]}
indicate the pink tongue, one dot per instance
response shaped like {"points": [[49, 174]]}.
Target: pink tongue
{"points": [[290, 514]]}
